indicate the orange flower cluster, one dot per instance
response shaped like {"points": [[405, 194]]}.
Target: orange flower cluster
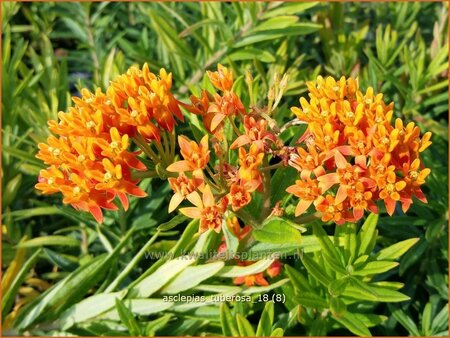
{"points": [[90, 163], [215, 108], [234, 183], [353, 155]]}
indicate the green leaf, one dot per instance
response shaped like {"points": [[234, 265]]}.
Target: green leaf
{"points": [[367, 234], [230, 239], [372, 268], [89, 308], [293, 30], [426, 320], [316, 270], [395, 251], [11, 292], [127, 318], [278, 231], [440, 321], [278, 332], [311, 300], [362, 291], [332, 255], [229, 325], [244, 327], [404, 320], [299, 281], [250, 54], [63, 294], [266, 321], [161, 277], [338, 286], [276, 23], [287, 8], [178, 219], [157, 324], [49, 240], [139, 307], [237, 271], [337, 307], [191, 277], [351, 322]]}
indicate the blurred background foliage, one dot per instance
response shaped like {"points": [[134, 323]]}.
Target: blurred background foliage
{"points": [[51, 50]]}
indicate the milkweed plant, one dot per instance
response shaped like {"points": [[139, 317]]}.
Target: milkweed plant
{"points": [[233, 179]]}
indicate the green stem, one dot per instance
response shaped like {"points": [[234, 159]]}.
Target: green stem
{"points": [[143, 145], [248, 218], [266, 195], [166, 146], [144, 174], [162, 153], [235, 128], [132, 264], [307, 218], [273, 166]]}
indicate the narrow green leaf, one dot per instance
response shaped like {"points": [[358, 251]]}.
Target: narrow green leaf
{"points": [[396, 250], [316, 270], [351, 322], [191, 277], [366, 234], [237, 271], [229, 325], [244, 326], [161, 277], [266, 321], [49, 240], [372, 268], [127, 318]]}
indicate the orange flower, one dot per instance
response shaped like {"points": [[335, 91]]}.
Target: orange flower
{"points": [[239, 196], [360, 200], [116, 149], [222, 79], [196, 156], [50, 180], [330, 209], [52, 153], [389, 192], [183, 187], [255, 132], [308, 162], [308, 191], [249, 163], [116, 181], [206, 209]]}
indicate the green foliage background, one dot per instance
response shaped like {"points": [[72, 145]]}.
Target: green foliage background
{"points": [[51, 50]]}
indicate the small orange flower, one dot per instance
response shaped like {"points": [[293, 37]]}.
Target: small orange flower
{"points": [[308, 191], [196, 156], [331, 211], [308, 162], [255, 132], [183, 187], [206, 209], [249, 163], [222, 79], [52, 152], [390, 193], [239, 196]]}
